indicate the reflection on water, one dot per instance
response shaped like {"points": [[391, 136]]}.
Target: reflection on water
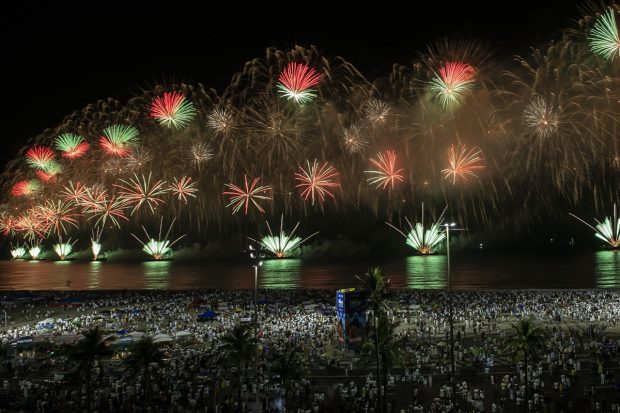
{"points": [[156, 274], [94, 275], [607, 270], [469, 272], [280, 273], [427, 271]]}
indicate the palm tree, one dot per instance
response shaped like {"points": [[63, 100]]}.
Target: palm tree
{"points": [[144, 354], [527, 340], [375, 291], [87, 352], [390, 349], [239, 346], [289, 367]]}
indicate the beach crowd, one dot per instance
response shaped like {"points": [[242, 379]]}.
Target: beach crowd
{"points": [[574, 371]]}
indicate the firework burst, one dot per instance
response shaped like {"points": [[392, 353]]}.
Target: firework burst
{"points": [[608, 230], [104, 209], [26, 188], [604, 39], [159, 248], [182, 188], [119, 140], [31, 225], [173, 110], [73, 193], [541, 118], [200, 153], [463, 162], [282, 244], [57, 215], [39, 157], [376, 111], [8, 225], [452, 81], [34, 251], [354, 139], [72, 146], [296, 81], [140, 191], [386, 174], [315, 181], [220, 120], [64, 249], [423, 241], [138, 158], [95, 242], [249, 195], [18, 253]]}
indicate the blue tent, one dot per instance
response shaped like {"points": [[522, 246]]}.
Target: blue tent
{"points": [[22, 341], [122, 332], [207, 315]]}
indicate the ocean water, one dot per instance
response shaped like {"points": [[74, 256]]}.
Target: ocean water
{"points": [[479, 271]]}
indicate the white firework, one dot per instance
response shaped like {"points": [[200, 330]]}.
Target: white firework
{"points": [[354, 139], [541, 118], [200, 153], [220, 120], [139, 158], [376, 111]]}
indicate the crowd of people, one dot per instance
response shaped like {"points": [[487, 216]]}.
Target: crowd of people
{"points": [[573, 371]]}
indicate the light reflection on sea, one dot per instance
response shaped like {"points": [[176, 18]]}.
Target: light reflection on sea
{"points": [[477, 271]]}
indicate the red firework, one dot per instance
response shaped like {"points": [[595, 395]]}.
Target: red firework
{"points": [[31, 225], [74, 193], [76, 152], [39, 156], [57, 215], [8, 225], [463, 162], [296, 79], [316, 180], [183, 188], [242, 198], [26, 188], [108, 208], [91, 197], [139, 191], [45, 177], [385, 173]]}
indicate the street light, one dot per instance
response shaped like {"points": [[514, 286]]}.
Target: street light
{"points": [[453, 368], [258, 263]]}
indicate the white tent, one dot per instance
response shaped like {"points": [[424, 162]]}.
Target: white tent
{"points": [[136, 334], [162, 338], [180, 334]]}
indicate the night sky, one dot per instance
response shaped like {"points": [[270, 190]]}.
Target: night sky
{"points": [[57, 59]]}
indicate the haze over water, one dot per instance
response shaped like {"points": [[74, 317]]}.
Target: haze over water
{"points": [[577, 270]]}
